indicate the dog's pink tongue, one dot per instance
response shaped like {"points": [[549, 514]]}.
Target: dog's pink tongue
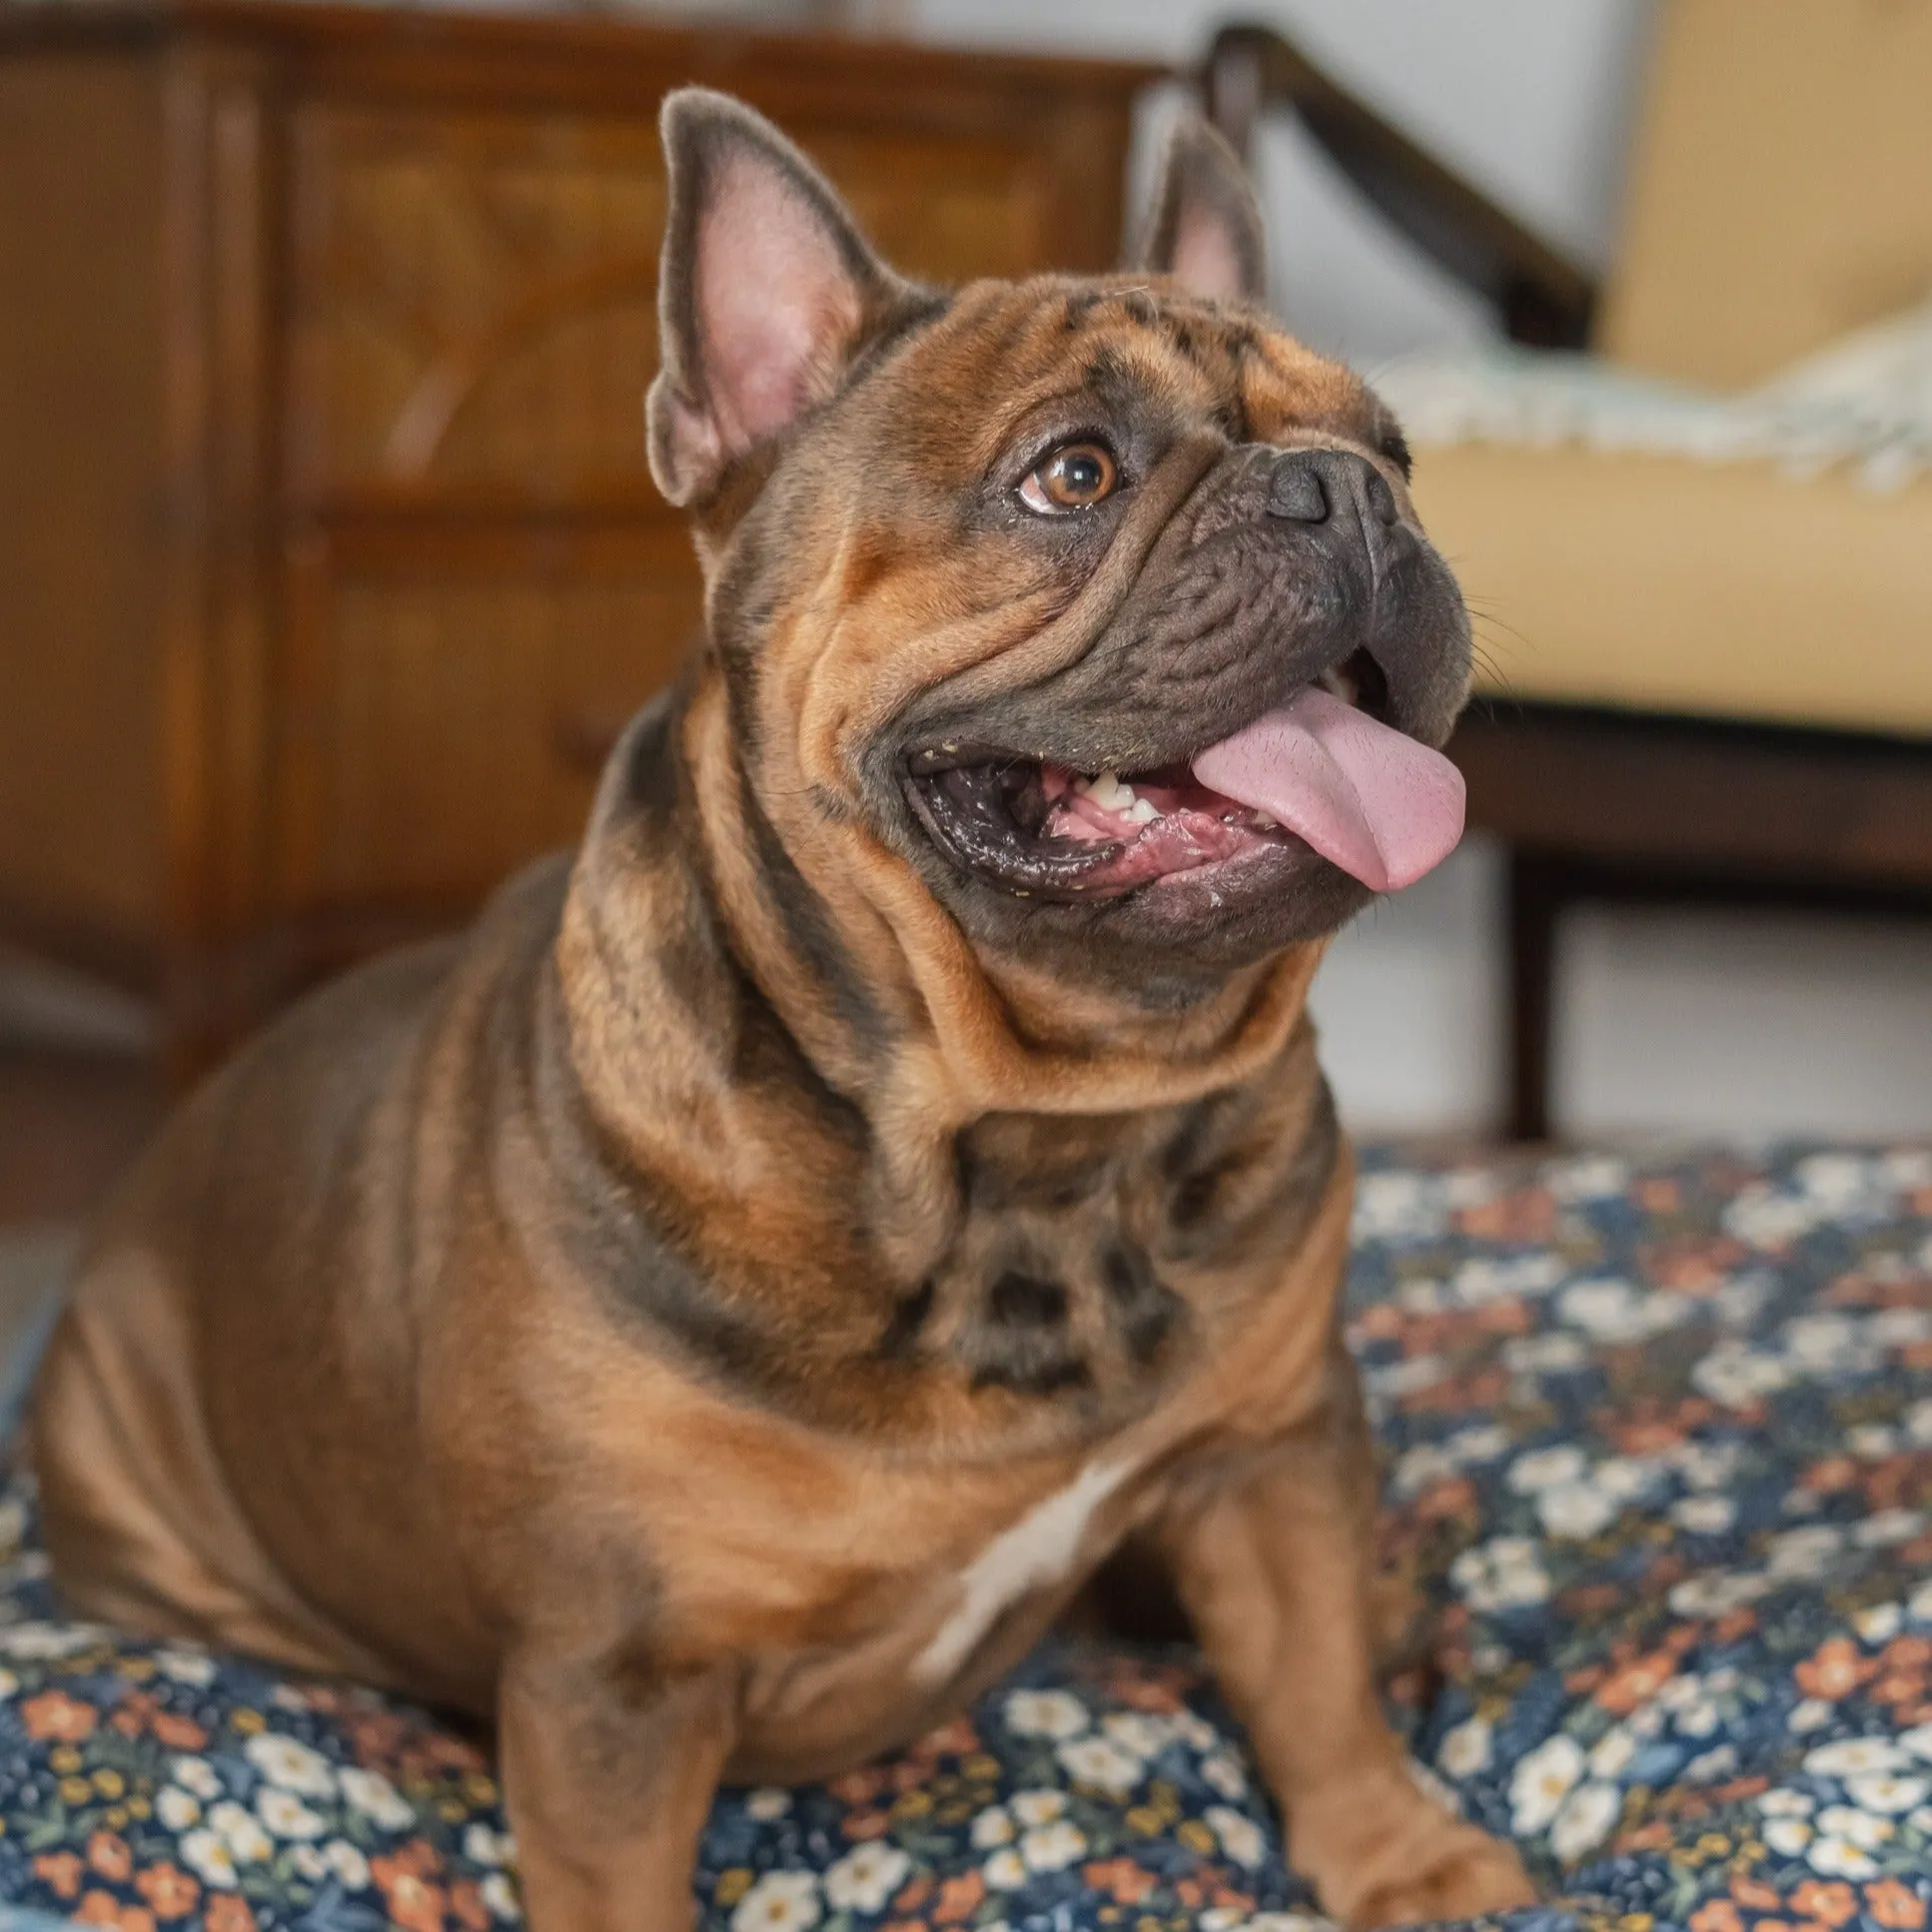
{"points": [[1376, 804]]}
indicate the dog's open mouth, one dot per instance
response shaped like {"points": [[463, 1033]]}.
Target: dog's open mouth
{"points": [[1323, 773]]}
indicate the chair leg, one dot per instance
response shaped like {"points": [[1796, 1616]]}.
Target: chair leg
{"points": [[1537, 898]]}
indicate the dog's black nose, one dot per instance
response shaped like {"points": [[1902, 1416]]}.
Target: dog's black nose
{"points": [[1308, 484]]}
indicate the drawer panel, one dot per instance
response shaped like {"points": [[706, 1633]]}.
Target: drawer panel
{"points": [[449, 704], [472, 298]]}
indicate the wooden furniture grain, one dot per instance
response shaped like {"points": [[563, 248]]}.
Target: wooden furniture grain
{"points": [[327, 553], [1718, 689]]}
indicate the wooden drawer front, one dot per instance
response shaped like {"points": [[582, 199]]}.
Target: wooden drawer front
{"points": [[448, 715], [472, 299]]}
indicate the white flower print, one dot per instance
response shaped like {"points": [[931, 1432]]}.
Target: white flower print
{"points": [[866, 1876], [1881, 1623], [9, 1683], [204, 1854], [1839, 1859], [1543, 1468], [1584, 1821], [1135, 1732], [1575, 1512], [285, 1816], [1223, 1773], [1037, 1808], [1882, 1792], [1787, 1836], [1238, 1835], [1556, 1354], [767, 1802], [482, 1847], [1541, 1781], [778, 1902], [500, 1898], [1704, 1516], [1466, 1751], [351, 1866], [1736, 1375], [1918, 1740], [307, 1862], [1610, 1756], [35, 1642], [1884, 1528], [1505, 1572], [1786, 1804], [1809, 1552], [290, 1764], [1052, 1848], [1044, 1713], [241, 1831], [377, 1798], [175, 1808], [1854, 1757], [1709, 1766], [990, 1828], [1856, 1828], [193, 1667], [1005, 1871], [1101, 1763], [196, 1774]]}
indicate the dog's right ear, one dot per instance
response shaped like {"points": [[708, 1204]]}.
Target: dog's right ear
{"points": [[1205, 227], [764, 289]]}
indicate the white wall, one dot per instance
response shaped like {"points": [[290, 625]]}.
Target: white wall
{"points": [[1721, 1023]]}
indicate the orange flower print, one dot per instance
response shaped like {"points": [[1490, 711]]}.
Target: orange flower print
{"points": [[1892, 1905], [959, 1898], [60, 1872], [103, 1908], [1120, 1879], [227, 1913], [1829, 1904], [1721, 1915], [109, 1855], [56, 1718], [1835, 1670], [466, 1902], [414, 1903], [1636, 1683], [177, 1732], [1755, 1893], [169, 1889]]}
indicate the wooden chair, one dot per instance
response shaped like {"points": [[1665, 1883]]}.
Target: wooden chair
{"points": [[1724, 692]]}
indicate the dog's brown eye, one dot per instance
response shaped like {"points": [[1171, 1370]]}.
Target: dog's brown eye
{"points": [[1073, 478]]}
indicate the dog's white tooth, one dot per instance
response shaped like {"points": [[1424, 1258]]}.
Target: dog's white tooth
{"points": [[1142, 811], [1265, 823]]}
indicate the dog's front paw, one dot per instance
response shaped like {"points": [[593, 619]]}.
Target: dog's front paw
{"points": [[1470, 1874], [1382, 1857]]}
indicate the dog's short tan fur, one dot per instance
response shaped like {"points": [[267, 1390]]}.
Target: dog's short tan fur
{"points": [[635, 1320]]}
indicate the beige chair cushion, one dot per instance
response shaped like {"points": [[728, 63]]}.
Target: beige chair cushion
{"points": [[1661, 585], [1781, 184]]}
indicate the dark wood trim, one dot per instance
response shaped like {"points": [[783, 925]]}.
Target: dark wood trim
{"points": [[1539, 295], [1614, 808], [328, 32]]}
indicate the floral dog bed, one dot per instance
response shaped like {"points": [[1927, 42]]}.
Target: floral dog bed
{"points": [[1659, 1437]]}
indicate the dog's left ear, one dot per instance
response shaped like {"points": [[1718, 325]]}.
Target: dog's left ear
{"points": [[1205, 227], [765, 288]]}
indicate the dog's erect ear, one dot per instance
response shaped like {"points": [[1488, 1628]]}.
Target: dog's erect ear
{"points": [[1205, 226], [764, 288]]}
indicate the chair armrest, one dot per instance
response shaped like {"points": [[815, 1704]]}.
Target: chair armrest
{"points": [[1541, 297]]}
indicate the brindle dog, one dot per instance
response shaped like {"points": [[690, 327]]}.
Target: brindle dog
{"points": [[713, 1315]]}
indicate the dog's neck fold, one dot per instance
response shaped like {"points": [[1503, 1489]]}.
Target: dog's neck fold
{"points": [[942, 1037]]}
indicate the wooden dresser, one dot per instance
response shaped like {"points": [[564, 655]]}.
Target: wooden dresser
{"points": [[329, 558]]}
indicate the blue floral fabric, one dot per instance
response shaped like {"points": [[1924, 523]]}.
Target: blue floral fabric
{"points": [[1659, 1438]]}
